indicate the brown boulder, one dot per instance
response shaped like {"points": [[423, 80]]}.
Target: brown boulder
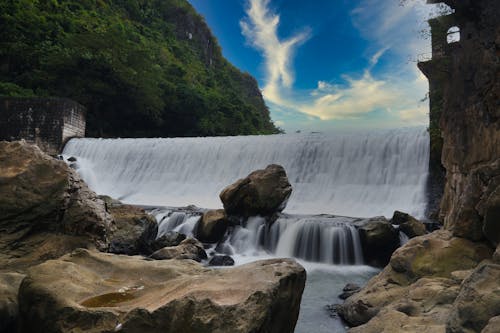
{"points": [[97, 292], [379, 239], [135, 230], [263, 192], [41, 198], [212, 226], [425, 266], [437, 255], [408, 224]]}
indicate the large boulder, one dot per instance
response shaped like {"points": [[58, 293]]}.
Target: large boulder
{"points": [[189, 248], [426, 264], [94, 292], [379, 239], [477, 301], [438, 255], [263, 192], [42, 199], [135, 230], [212, 226], [9, 287]]}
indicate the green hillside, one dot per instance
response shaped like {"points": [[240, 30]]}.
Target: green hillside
{"points": [[141, 67]]}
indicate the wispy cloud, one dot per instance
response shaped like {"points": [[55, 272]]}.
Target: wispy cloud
{"points": [[260, 27], [389, 28]]}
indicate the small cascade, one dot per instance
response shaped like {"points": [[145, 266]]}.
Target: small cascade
{"points": [[324, 239]]}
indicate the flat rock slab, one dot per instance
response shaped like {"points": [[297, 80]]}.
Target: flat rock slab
{"points": [[97, 292]]}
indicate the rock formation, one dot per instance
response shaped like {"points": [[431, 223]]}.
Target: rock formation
{"points": [[135, 230], [212, 226], [46, 210], [379, 239], [263, 192], [97, 292]]}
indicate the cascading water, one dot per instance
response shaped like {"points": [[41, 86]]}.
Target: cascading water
{"points": [[325, 239], [352, 174]]}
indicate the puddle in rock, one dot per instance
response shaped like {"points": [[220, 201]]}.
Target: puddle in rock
{"points": [[113, 299]]}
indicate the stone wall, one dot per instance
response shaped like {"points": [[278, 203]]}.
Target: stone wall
{"points": [[47, 122], [468, 77]]}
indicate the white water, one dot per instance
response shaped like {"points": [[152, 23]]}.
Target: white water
{"points": [[352, 174], [324, 239]]}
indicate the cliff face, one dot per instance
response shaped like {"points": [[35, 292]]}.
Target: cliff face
{"points": [[470, 125]]}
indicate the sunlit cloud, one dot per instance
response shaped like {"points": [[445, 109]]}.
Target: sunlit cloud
{"points": [[260, 28], [391, 30]]}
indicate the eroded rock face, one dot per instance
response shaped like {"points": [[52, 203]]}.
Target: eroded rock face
{"points": [[42, 199], [263, 192], [94, 292], [437, 255], [478, 300], [470, 121], [435, 261], [135, 230], [212, 226], [379, 239]]}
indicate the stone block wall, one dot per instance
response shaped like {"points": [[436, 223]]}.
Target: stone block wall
{"points": [[47, 122]]}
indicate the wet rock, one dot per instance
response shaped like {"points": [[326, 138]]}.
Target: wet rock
{"points": [[135, 231], [221, 261], [212, 226], [9, 310], [171, 238], [189, 248], [263, 192], [94, 292], [399, 217], [408, 224], [72, 159], [379, 239], [478, 300]]}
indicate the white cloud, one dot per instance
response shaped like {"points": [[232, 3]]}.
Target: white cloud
{"points": [[390, 29], [260, 27], [358, 97]]}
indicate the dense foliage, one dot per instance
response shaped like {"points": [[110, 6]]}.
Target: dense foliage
{"points": [[141, 67]]}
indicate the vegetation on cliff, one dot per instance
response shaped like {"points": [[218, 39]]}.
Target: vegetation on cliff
{"points": [[142, 68]]}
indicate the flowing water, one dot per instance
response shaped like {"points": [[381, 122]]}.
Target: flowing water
{"points": [[360, 174], [352, 174]]}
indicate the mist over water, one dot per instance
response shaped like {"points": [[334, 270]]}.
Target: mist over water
{"points": [[360, 173]]}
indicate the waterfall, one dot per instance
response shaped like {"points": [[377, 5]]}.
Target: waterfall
{"points": [[352, 174], [325, 239]]}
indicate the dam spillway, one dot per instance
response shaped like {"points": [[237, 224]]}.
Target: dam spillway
{"points": [[359, 173]]}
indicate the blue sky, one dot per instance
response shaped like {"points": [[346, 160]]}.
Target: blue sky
{"points": [[328, 64]]}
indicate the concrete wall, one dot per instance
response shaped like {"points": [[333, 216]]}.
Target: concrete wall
{"points": [[47, 122]]}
